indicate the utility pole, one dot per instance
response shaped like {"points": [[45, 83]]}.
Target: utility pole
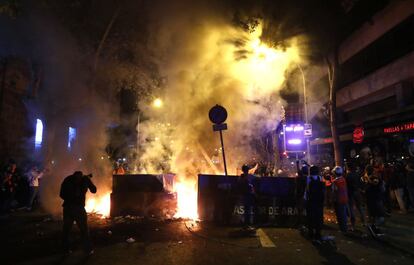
{"points": [[305, 109]]}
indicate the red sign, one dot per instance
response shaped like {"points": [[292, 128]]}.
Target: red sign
{"points": [[400, 128], [358, 135]]}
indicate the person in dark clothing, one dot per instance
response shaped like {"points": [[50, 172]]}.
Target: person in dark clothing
{"points": [[396, 183], [8, 186], [373, 192], [314, 196], [248, 193], [72, 191], [410, 181], [303, 173], [353, 183]]}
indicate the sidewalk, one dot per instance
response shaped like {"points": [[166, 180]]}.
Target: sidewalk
{"points": [[399, 231]]}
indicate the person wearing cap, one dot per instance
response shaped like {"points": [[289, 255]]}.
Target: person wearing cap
{"points": [[314, 197], [73, 191], [340, 198]]}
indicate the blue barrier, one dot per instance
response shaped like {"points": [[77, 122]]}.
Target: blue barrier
{"points": [[276, 202]]}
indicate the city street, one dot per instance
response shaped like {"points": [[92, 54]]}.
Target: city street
{"points": [[34, 238], [207, 132]]}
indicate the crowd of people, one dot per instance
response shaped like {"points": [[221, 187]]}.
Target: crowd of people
{"points": [[19, 189], [367, 192], [373, 189]]}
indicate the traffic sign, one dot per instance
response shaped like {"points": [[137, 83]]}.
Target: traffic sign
{"points": [[219, 127], [307, 132], [217, 114]]}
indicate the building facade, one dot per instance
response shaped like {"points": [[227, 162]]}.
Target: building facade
{"points": [[375, 96]]}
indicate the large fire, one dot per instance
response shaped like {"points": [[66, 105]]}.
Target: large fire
{"points": [[211, 64], [186, 200], [100, 205]]}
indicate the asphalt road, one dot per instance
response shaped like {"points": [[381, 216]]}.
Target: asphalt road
{"points": [[34, 238]]}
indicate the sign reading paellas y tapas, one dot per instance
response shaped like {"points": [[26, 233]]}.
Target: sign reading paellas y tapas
{"points": [[400, 128]]}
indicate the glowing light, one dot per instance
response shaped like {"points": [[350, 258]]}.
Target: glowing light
{"points": [[100, 205], [186, 200], [157, 103], [263, 70], [294, 141], [71, 137], [39, 134]]}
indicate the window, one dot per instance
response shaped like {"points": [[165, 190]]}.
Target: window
{"points": [[71, 137], [39, 134]]}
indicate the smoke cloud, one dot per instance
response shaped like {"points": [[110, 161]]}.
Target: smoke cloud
{"points": [[206, 60], [63, 98]]}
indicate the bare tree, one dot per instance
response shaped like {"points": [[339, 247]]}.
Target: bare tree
{"points": [[333, 69]]}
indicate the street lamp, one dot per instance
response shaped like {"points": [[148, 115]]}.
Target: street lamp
{"points": [[305, 105], [157, 103]]}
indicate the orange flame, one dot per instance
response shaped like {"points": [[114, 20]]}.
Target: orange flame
{"points": [[100, 205], [186, 200]]}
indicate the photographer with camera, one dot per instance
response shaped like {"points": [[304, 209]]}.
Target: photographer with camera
{"points": [[72, 191]]}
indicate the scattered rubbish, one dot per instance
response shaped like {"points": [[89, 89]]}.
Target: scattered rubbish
{"points": [[156, 229], [47, 219], [298, 250], [180, 242], [40, 233], [109, 232], [37, 225], [361, 259], [130, 240]]}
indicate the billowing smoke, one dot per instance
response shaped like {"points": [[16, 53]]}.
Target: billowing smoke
{"points": [[200, 58], [206, 60], [63, 97]]}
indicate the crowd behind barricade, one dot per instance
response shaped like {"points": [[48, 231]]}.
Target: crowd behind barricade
{"points": [[19, 188], [373, 189], [366, 191]]}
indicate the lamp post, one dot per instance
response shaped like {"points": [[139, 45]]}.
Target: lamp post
{"points": [[305, 110]]}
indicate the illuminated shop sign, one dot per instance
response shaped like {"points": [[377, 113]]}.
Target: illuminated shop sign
{"points": [[358, 135], [294, 138], [400, 128]]}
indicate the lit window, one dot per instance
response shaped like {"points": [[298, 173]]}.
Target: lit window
{"points": [[71, 137], [39, 134]]}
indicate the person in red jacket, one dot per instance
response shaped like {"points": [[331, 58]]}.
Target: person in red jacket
{"points": [[341, 198]]}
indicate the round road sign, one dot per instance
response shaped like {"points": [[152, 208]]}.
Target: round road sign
{"points": [[217, 114]]}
